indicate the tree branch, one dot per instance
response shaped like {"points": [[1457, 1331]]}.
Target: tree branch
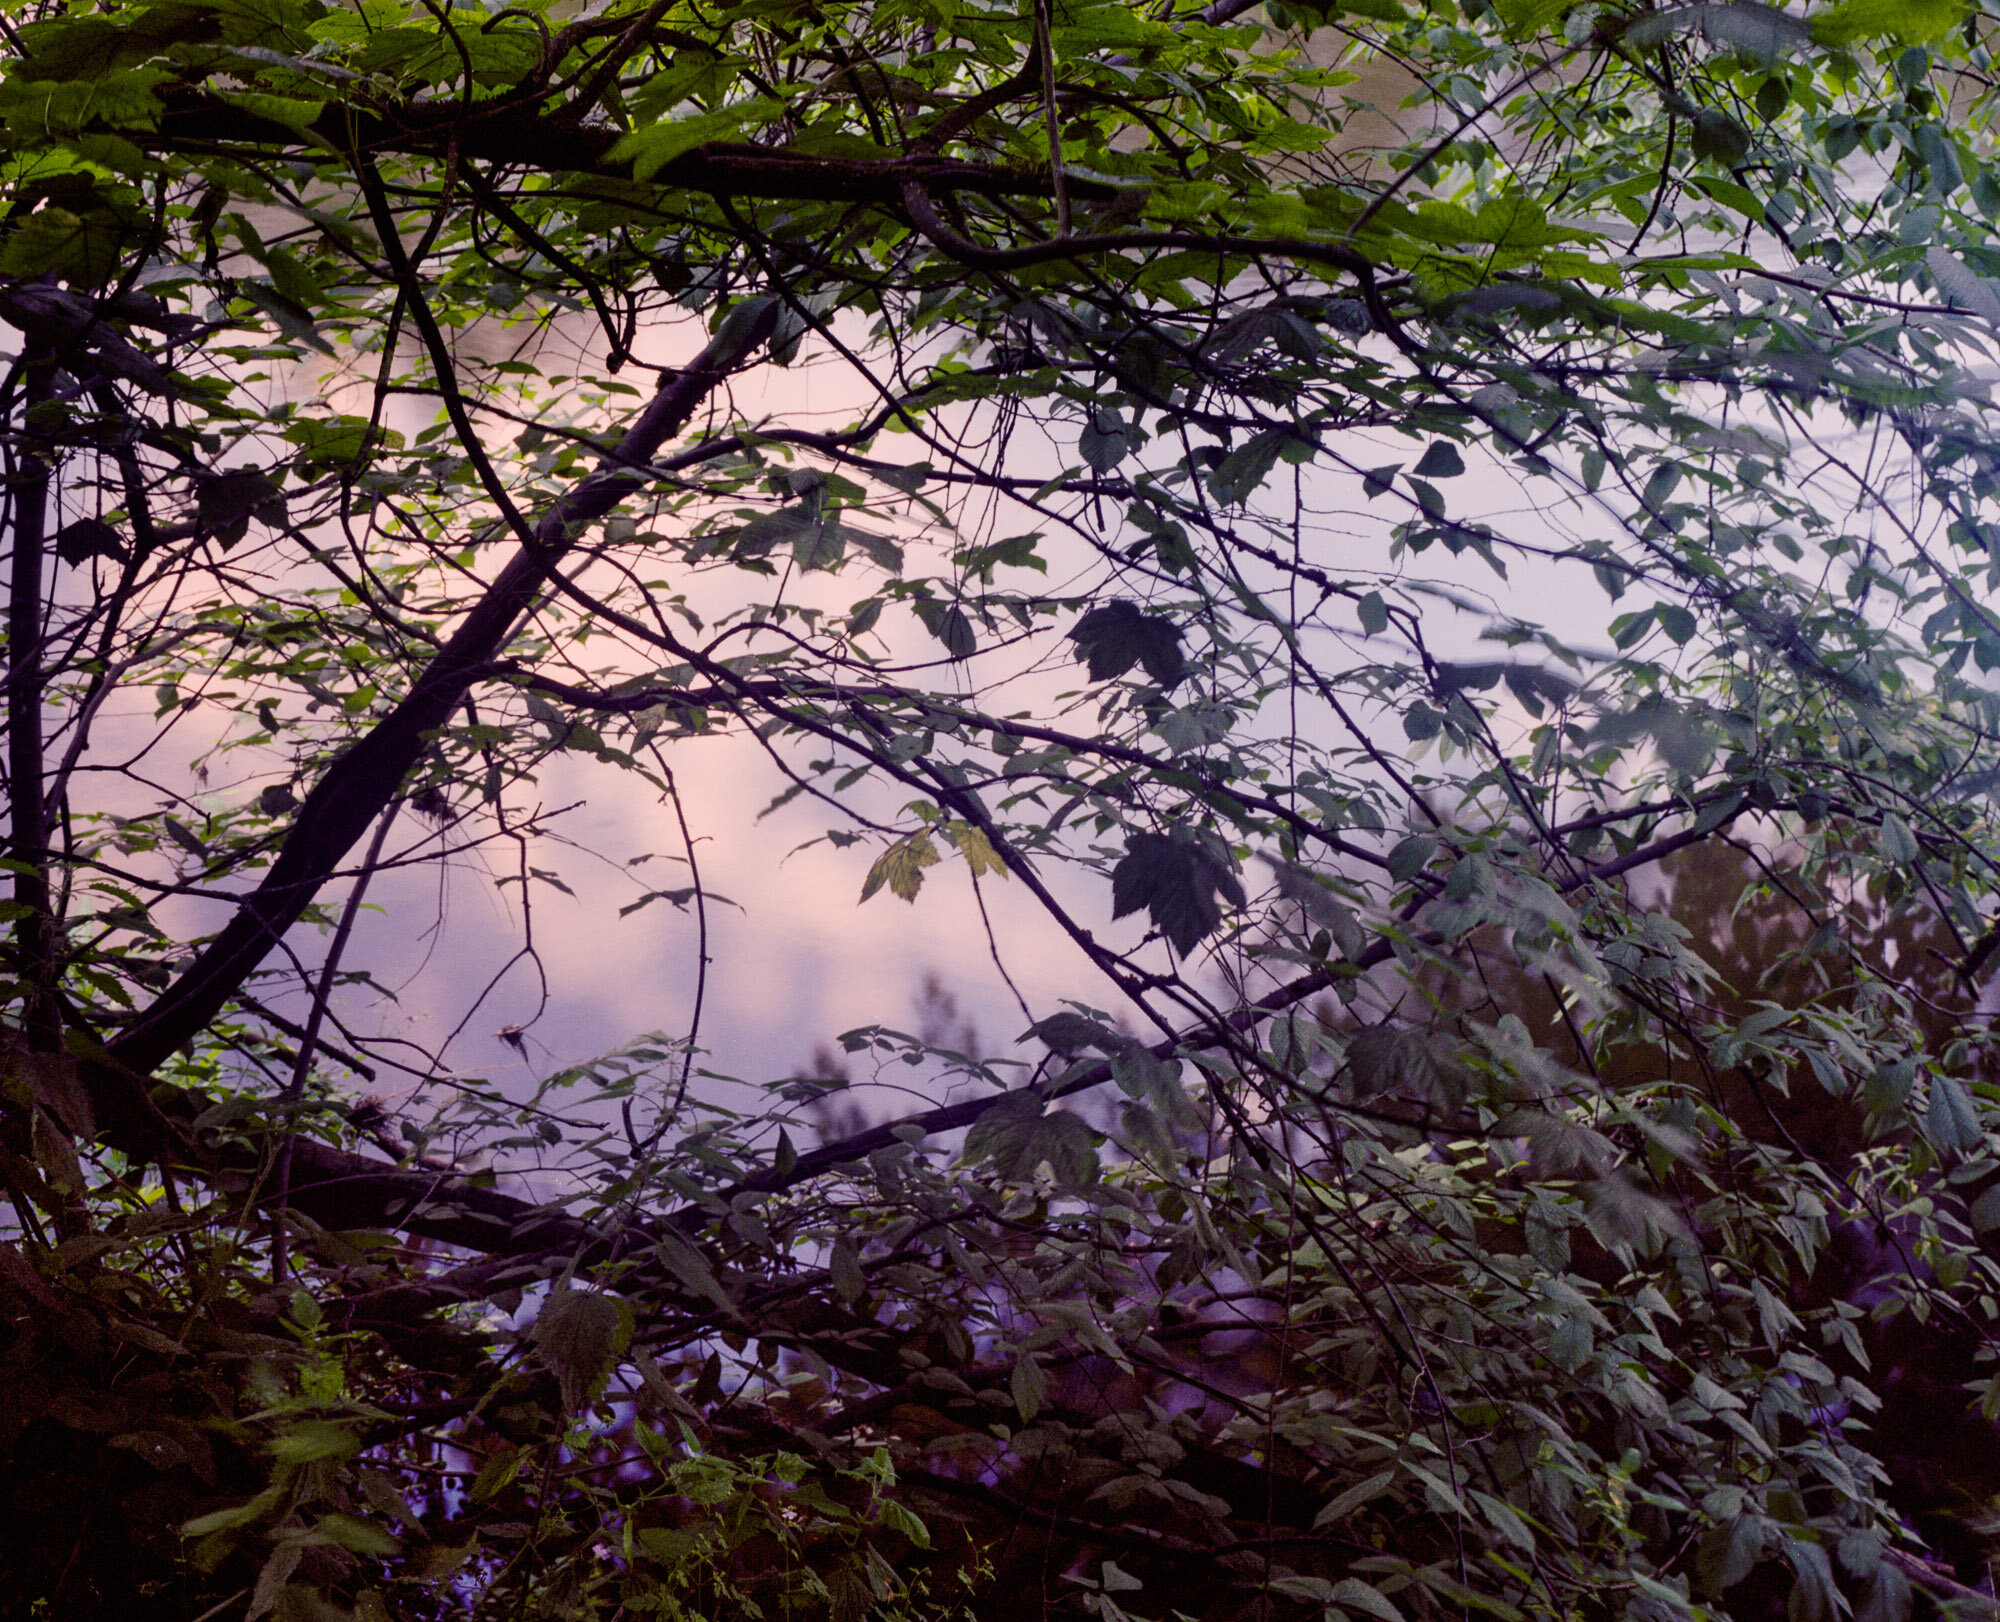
{"points": [[362, 781]]}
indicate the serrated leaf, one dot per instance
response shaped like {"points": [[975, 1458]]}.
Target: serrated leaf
{"points": [[495, 1474], [305, 1441], [1336, 1510], [820, 546], [271, 1579], [1145, 1130], [850, 1283], [1196, 728], [1239, 474], [1762, 33], [1813, 1597], [688, 1265], [651, 149], [1017, 1135], [1728, 1553], [1859, 1551], [227, 1520], [1391, 1059], [55, 1155], [1908, 22], [1898, 843], [1114, 637], [224, 500], [1069, 1034], [82, 539], [1569, 1345], [1320, 905], [1885, 1597], [887, 555], [1352, 1594], [361, 1537], [898, 1519], [1962, 285], [1411, 856], [576, 1335], [901, 867], [1952, 1122], [1176, 879], [1028, 1385], [1985, 1212]]}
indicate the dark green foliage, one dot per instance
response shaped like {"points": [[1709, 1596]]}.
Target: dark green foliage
{"points": [[1519, 481], [1113, 637], [1179, 880]]}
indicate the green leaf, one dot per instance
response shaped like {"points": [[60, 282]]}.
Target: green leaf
{"points": [[651, 149], [1719, 137], [1958, 282], [850, 1283], [1885, 1597], [977, 849], [1069, 1034], [1728, 1553], [1410, 856], [50, 239], [1985, 1212], [820, 546], [1116, 1580], [306, 1441], [1019, 1137], [900, 1520], [1899, 844], [1908, 22], [1339, 1508], [954, 630], [1353, 1595], [1115, 636], [1952, 1122], [1321, 906], [901, 867], [1570, 1343], [1441, 461], [1392, 1059], [1029, 1385], [1180, 880], [1813, 1597], [576, 1335], [1763, 33], [1677, 622], [1104, 441], [361, 1537], [1240, 474]]}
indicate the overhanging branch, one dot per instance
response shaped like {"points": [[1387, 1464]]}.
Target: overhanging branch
{"points": [[360, 783]]}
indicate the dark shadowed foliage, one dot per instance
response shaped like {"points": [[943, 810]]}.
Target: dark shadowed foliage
{"points": [[1424, 564]]}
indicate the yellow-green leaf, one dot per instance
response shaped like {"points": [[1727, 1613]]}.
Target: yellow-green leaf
{"points": [[901, 867]]}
